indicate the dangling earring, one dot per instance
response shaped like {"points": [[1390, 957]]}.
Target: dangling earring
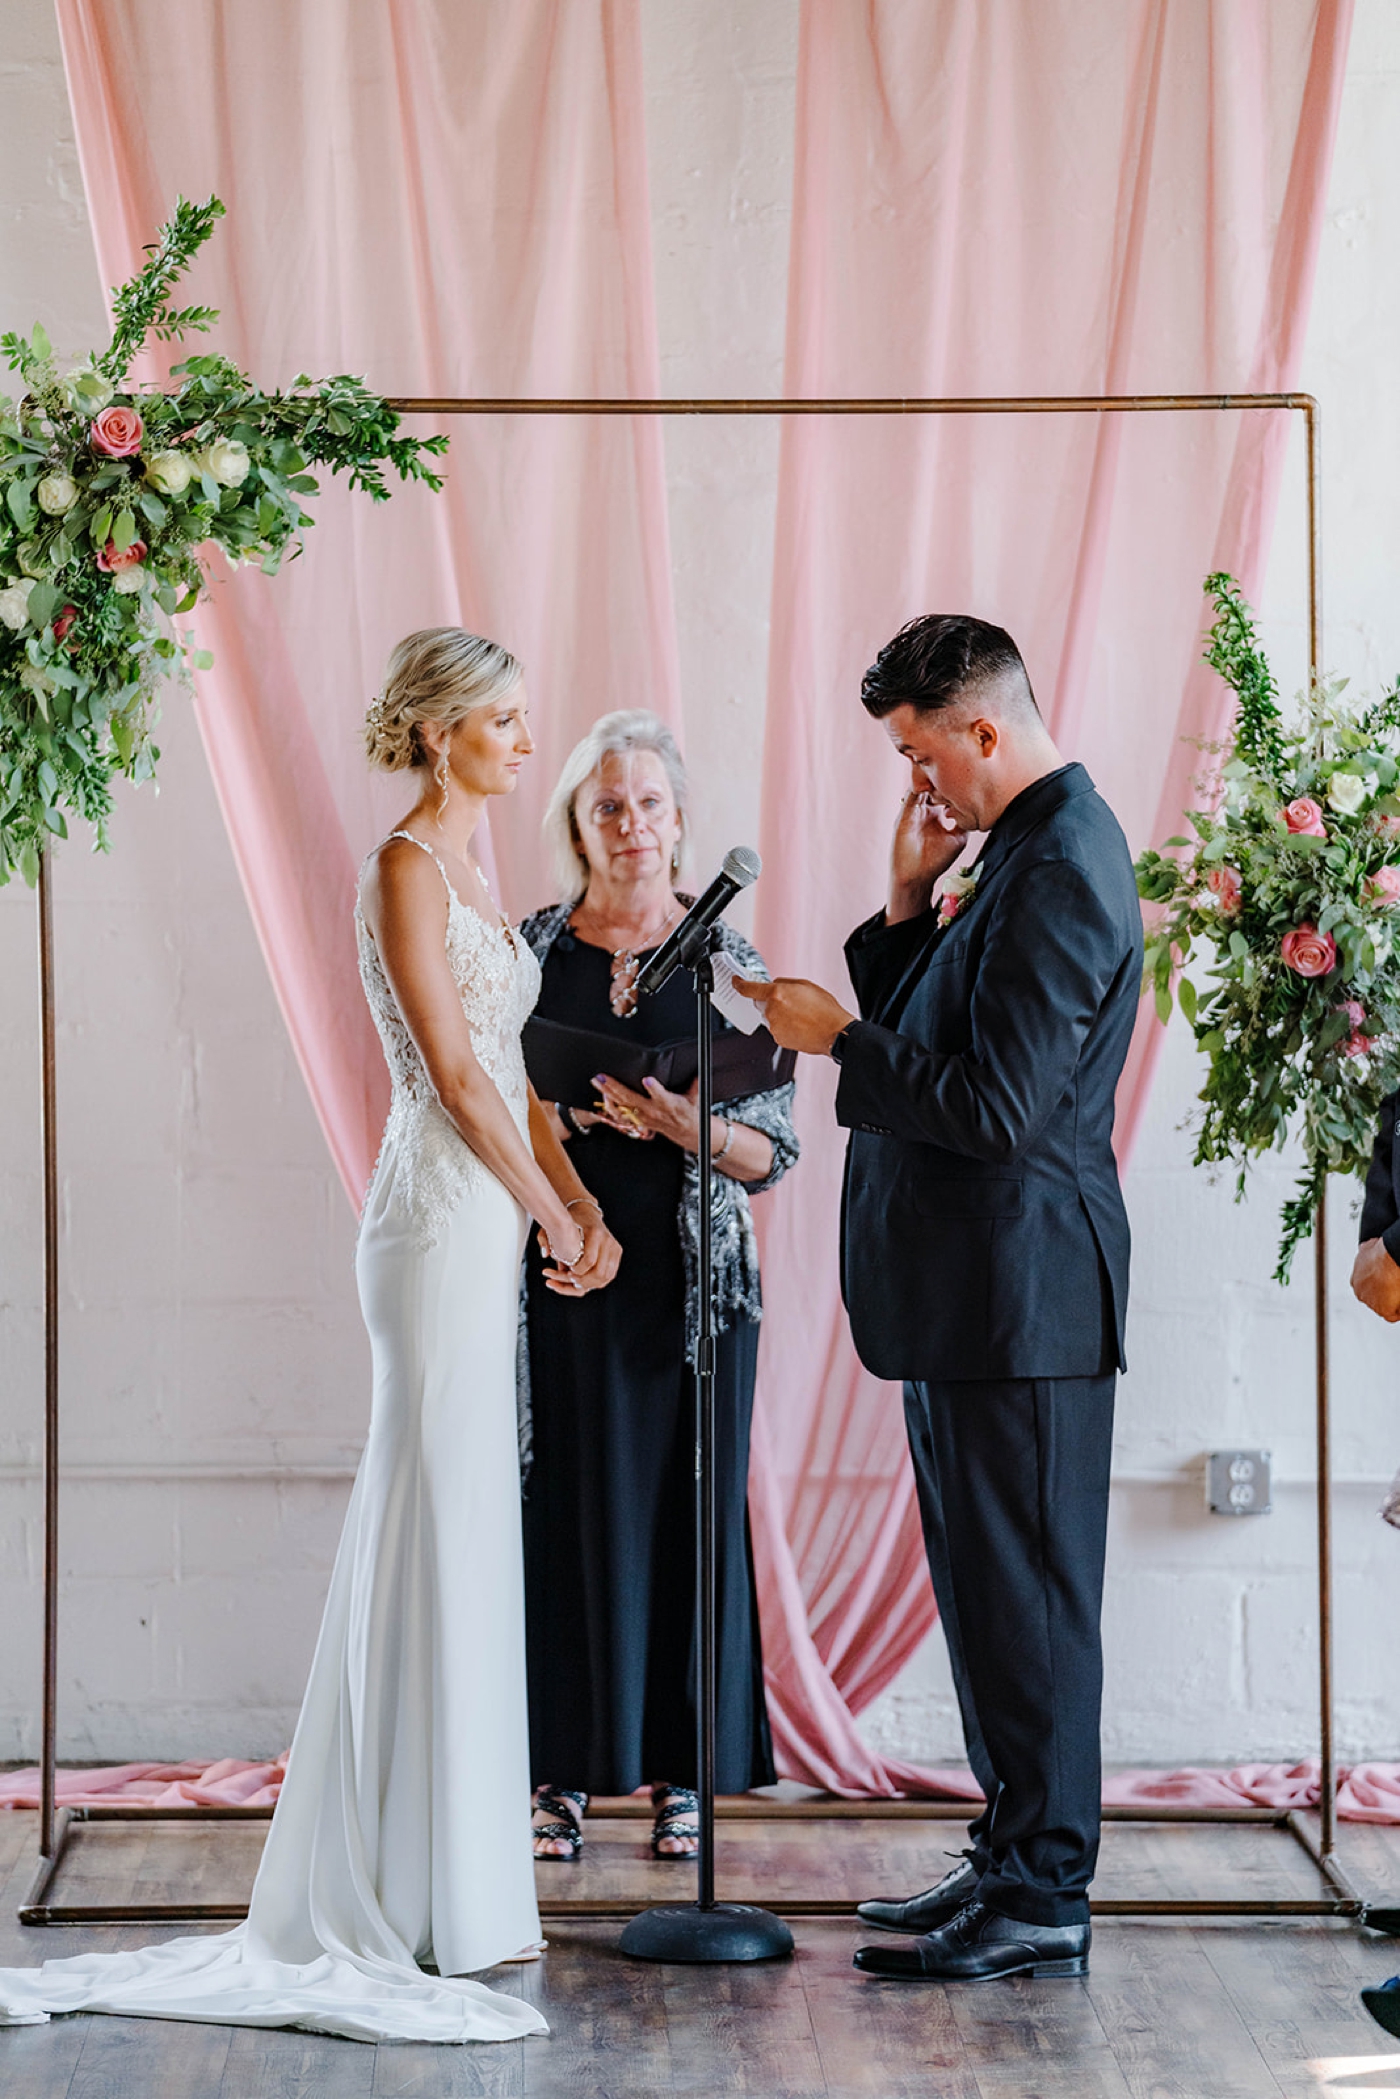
{"points": [[441, 776]]}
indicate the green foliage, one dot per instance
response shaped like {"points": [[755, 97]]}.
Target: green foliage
{"points": [[141, 308], [1299, 1017], [1232, 648], [100, 553]]}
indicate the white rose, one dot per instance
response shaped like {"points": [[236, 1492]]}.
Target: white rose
{"points": [[170, 472], [57, 493], [88, 392], [225, 461], [33, 679], [14, 606], [127, 581], [1346, 792]]}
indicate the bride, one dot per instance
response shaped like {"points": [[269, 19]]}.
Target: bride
{"points": [[401, 1841]]}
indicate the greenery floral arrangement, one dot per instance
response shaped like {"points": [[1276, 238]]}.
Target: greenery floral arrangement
{"points": [[1291, 888], [112, 496]]}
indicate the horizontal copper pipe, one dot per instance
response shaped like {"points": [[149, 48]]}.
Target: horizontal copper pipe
{"points": [[1008, 404]]}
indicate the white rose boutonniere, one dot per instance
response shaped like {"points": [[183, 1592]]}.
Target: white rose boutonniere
{"points": [[956, 891]]}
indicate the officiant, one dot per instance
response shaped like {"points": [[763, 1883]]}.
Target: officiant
{"points": [[609, 1508]]}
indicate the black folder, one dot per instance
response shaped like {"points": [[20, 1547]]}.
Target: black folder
{"points": [[561, 1062]]}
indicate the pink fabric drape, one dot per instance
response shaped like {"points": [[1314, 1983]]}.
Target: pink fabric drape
{"points": [[1365, 1792], [450, 199], [996, 197], [450, 196]]}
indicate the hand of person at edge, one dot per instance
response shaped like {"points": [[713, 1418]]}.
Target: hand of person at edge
{"points": [[1375, 1279]]}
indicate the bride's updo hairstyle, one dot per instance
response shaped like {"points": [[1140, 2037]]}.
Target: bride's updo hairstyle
{"points": [[439, 674], [612, 736]]}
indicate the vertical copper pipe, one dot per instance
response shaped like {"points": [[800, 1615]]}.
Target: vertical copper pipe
{"points": [[1328, 1801], [48, 1128]]}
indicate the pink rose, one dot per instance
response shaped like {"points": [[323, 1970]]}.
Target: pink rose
{"points": [[63, 623], [1304, 818], [1227, 887], [117, 432], [1309, 953], [1356, 1044], [948, 908], [112, 559], [1384, 887]]}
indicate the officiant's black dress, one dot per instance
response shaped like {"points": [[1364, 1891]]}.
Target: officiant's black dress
{"points": [[609, 1498]]}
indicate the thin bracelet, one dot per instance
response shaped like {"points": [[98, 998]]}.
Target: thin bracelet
{"points": [[567, 1116], [715, 1157], [576, 1200]]}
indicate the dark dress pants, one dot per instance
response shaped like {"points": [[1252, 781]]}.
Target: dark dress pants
{"points": [[1013, 1492]]}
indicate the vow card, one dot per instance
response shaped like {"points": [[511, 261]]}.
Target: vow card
{"points": [[739, 1011]]}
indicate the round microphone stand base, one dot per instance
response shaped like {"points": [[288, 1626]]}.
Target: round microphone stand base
{"points": [[726, 1931]]}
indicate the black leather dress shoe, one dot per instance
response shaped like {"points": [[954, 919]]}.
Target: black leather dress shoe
{"points": [[980, 1944], [938, 1905], [1383, 2003]]}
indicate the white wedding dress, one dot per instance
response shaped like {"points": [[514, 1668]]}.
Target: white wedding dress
{"points": [[402, 1835]]}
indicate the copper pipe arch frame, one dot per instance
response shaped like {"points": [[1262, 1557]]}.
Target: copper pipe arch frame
{"points": [[1339, 1899]]}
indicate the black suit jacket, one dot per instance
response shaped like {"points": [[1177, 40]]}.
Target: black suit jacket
{"points": [[1380, 1212], [983, 1228]]}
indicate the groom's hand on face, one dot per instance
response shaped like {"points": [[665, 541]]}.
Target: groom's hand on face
{"points": [[927, 840], [798, 1015], [1375, 1279]]}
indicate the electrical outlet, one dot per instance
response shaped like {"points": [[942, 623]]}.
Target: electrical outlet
{"points": [[1237, 1482]]}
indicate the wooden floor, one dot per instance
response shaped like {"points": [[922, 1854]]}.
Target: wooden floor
{"points": [[1170, 2010]]}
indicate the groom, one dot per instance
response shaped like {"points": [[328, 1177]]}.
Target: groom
{"points": [[985, 1256]]}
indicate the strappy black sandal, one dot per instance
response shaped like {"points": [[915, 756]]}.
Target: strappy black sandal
{"points": [[569, 1809], [677, 1812]]}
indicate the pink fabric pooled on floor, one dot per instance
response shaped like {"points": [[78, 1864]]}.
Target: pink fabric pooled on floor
{"points": [[1366, 1793], [227, 1783]]}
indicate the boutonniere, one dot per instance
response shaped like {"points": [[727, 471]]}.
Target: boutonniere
{"points": [[956, 891]]}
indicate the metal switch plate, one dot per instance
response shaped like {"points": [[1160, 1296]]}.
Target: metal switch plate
{"points": [[1238, 1482]]}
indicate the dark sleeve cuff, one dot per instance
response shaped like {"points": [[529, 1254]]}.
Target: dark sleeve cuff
{"points": [[861, 1087], [879, 936], [877, 953], [1390, 1240]]}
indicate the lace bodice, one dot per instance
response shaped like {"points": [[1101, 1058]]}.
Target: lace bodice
{"points": [[498, 979]]}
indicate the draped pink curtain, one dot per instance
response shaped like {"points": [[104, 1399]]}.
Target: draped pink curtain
{"points": [[996, 197], [449, 196]]}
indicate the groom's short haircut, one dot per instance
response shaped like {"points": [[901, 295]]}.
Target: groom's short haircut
{"points": [[942, 658]]}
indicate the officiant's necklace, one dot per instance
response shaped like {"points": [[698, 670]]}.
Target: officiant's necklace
{"points": [[626, 964]]}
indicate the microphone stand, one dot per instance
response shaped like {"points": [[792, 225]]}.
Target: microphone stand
{"points": [[705, 1930]]}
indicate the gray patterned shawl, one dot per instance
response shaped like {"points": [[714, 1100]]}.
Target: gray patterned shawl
{"points": [[737, 1293]]}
